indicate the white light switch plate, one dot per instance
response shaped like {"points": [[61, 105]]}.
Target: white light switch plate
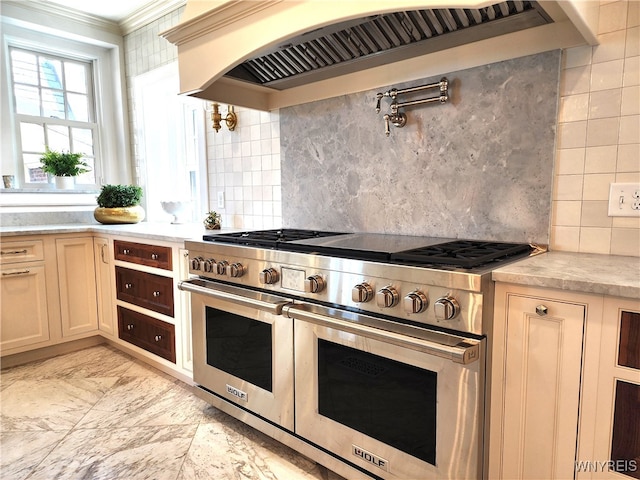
{"points": [[624, 200], [221, 199]]}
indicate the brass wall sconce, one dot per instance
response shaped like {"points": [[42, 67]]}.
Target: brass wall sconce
{"points": [[231, 119]]}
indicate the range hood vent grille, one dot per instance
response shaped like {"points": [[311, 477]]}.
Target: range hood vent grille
{"points": [[380, 39]]}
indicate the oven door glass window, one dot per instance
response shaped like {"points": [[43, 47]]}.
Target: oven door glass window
{"points": [[388, 400], [240, 346]]}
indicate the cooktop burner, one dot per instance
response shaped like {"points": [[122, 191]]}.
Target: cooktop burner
{"points": [[396, 249], [267, 238], [461, 253]]}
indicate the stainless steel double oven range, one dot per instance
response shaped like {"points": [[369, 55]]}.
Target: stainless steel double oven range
{"points": [[364, 352]]}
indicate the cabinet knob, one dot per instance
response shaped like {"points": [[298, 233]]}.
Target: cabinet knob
{"points": [[156, 293], [154, 256], [130, 326], [126, 251], [128, 285], [157, 338], [542, 310]]}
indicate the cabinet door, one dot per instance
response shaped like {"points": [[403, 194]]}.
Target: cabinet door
{"points": [[542, 362], [77, 283], [24, 319], [103, 285]]}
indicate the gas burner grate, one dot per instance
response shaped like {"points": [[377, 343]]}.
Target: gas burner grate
{"points": [[461, 253], [267, 238]]}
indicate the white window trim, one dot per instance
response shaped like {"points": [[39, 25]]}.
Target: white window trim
{"points": [[113, 144]]}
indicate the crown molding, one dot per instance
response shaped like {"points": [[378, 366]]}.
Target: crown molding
{"points": [[141, 17], [148, 14]]}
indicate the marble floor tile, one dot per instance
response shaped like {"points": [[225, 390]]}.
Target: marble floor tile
{"points": [[21, 452], [154, 453], [50, 404], [100, 414], [138, 401], [99, 361]]}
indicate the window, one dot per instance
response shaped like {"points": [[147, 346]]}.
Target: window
{"points": [[53, 107]]}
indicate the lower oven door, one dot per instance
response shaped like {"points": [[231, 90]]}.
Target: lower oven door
{"points": [[243, 348], [398, 401]]}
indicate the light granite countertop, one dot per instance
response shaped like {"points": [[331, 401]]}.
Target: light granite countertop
{"points": [[167, 232], [612, 275]]}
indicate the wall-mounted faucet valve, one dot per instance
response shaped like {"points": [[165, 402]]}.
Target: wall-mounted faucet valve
{"points": [[398, 118]]}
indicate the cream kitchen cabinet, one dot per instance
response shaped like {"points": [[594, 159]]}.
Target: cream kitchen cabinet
{"points": [[539, 347], [48, 291], [77, 285], [609, 442], [104, 286], [25, 316]]}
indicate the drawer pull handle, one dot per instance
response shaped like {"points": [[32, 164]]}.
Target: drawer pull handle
{"points": [[21, 272], [126, 251], [157, 338], [154, 256], [13, 252], [156, 293], [542, 310], [130, 326], [128, 285]]}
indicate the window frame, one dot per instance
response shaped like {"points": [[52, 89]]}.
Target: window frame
{"points": [[111, 152], [91, 124]]}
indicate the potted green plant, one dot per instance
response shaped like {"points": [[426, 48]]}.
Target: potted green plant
{"points": [[64, 166], [119, 204]]}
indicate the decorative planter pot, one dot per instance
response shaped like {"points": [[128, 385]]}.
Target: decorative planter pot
{"points": [[65, 183], [133, 214]]}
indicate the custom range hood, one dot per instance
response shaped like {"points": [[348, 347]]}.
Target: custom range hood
{"points": [[273, 53]]}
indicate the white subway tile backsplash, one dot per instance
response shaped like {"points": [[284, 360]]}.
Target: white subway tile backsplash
{"points": [[625, 241], [607, 75], [613, 16], [632, 42], [630, 100], [577, 57], [611, 47], [628, 158], [596, 186], [566, 213], [595, 214], [568, 187], [572, 135], [629, 129], [601, 159], [575, 80], [574, 108], [605, 103], [570, 161], [602, 131], [595, 240]]}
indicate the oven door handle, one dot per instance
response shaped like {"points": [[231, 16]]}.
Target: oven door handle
{"points": [[240, 296], [457, 349]]}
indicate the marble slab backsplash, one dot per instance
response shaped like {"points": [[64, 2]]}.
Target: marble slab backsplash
{"points": [[479, 166]]}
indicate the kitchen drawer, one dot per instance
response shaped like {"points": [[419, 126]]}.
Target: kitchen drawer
{"points": [[149, 333], [143, 254], [146, 290], [21, 251]]}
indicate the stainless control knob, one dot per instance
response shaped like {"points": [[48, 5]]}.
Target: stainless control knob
{"points": [[362, 293], [269, 276], [387, 297], [221, 267], [446, 308], [208, 265], [196, 263], [235, 270], [314, 284], [415, 302]]}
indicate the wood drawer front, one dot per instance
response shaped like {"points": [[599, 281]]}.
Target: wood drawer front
{"points": [[146, 290], [149, 333], [21, 251], [143, 254]]}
